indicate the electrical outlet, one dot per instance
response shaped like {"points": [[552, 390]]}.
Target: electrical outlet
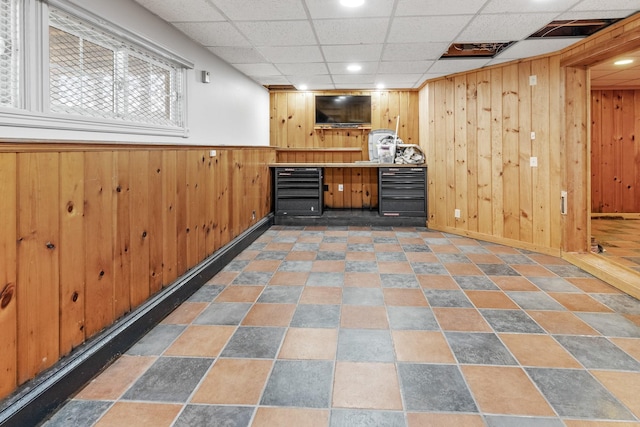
{"points": [[533, 162], [340, 187], [533, 135], [456, 213], [533, 80], [212, 153]]}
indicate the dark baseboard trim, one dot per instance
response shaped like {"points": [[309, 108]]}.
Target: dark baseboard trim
{"points": [[34, 401]]}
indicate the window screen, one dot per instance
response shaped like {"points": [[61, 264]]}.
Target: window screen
{"points": [[92, 73], [9, 53]]}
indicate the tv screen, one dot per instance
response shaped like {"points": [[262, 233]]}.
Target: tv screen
{"points": [[343, 109]]}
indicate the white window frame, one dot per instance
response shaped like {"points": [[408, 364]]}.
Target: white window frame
{"points": [[34, 111]]}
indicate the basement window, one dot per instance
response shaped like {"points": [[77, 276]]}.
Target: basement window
{"points": [[97, 74], [9, 53]]}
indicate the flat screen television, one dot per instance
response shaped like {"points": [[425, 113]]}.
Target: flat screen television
{"points": [[343, 110]]}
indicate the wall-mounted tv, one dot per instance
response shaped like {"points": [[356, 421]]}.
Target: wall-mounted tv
{"points": [[343, 110]]}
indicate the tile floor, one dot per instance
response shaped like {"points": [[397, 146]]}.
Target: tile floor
{"points": [[620, 238], [380, 327]]}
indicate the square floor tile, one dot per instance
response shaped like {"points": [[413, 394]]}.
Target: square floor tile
{"points": [[244, 293], [623, 385], [224, 313], [362, 280], [233, 382], [421, 347], [429, 268], [621, 303], [554, 284], [539, 350], [366, 386], [321, 295], [289, 278], [116, 379], [505, 390], [535, 301], [598, 353], [576, 394], [399, 281], [435, 419], [169, 379], [593, 285], [185, 313], [355, 266], [479, 348], [138, 413], [201, 341], [252, 278], [490, 299], [461, 319], [362, 296], [325, 266], [447, 298], [281, 294], [254, 342], [365, 345], [521, 421], [394, 267], [434, 388], [352, 417], [611, 324], [404, 297], [440, 282], [277, 417], [309, 343], [478, 283], [363, 317], [331, 279], [463, 269], [316, 316], [263, 265], [156, 341], [561, 322], [511, 321], [512, 283], [299, 383], [269, 315], [79, 413], [497, 270], [415, 318], [296, 266], [579, 302], [214, 416]]}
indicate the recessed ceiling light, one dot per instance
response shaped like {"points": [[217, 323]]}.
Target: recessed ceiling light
{"points": [[354, 67], [352, 3], [623, 62], [380, 86], [303, 87]]}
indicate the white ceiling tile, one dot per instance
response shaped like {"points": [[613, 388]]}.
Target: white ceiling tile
{"points": [[404, 67], [332, 9], [353, 78], [413, 51], [309, 68], [496, 61], [492, 28], [607, 5], [351, 53], [291, 53], [428, 29], [310, 81], [456, 65], [341, 68], [390, 79], [237, 55], [520, 6], [352, 31], [430, 76], [263, 69], [605, 14], [355, 86], [533, 47], [186, 10], [272, 80], [437, 7], [213, 33], [278, 33], [250, 10]]}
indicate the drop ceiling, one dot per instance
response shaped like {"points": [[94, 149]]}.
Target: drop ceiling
{"points": [[397, 43]]}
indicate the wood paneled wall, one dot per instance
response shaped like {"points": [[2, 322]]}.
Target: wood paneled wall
{"points": [[87, 233], [476, 131], [293, 127], [615, 151]]}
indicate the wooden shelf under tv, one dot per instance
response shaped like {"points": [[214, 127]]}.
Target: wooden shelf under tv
{"points": [[323, 128]]}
